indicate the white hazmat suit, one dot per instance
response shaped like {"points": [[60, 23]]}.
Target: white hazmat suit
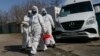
{"points": [[49, 24], [26, 40], [38, 27]]}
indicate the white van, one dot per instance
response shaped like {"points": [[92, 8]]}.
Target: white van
{"points": [[77, 19]]}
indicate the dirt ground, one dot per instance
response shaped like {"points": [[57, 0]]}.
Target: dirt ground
{"points": [[87, 48], [10, 45]]}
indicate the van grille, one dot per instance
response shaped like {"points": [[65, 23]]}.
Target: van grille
{"points": [[72, 25]]}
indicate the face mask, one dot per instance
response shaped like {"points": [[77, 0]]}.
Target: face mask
{"points": [[44, 13], [34, 12], [29, 15]]}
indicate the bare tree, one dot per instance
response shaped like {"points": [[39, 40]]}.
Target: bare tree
{"points": [[16, 13], [3, 17]]}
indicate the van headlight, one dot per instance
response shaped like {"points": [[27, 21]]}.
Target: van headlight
{"points": [[91, 20]]}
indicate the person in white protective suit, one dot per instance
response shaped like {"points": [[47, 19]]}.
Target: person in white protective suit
{"points": [[49, 24], [26, 31], [38, 27]]}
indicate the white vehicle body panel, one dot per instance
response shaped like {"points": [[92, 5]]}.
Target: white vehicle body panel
{"points": [[82, 16]]}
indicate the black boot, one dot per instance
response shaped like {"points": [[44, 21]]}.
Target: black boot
{"points": [[22, 49], [30, 54], [53, 46]]}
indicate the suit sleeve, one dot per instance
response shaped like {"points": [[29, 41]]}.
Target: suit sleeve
{"points": [[42, 23], [21, 26], [51, 21], [29, 29]]}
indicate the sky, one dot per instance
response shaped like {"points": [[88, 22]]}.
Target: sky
{"points": [[95, 1], [5, 5]]}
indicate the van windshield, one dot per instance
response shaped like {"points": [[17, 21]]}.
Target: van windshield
{"points": [[76, 8]]}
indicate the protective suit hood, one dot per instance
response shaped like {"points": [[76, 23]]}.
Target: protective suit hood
{"points": [[29, 14], [43, 12], [34, 10]]}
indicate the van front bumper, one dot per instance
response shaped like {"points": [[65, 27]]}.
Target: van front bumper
{"points": [[65, 35]]}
